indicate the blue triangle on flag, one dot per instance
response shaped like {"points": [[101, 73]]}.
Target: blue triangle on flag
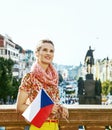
{"points": [[45, 99]]}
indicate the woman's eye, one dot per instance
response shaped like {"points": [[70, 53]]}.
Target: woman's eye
{"points": [[45, 49], [52, 51]]}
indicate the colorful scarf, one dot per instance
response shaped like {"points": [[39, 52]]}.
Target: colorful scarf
{"points": [[48, 77]]}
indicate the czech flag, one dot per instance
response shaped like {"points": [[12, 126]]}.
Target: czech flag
{"points": [[39, 110]]}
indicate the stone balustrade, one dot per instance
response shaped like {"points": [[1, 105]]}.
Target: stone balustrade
{"points": [[93, 117]]}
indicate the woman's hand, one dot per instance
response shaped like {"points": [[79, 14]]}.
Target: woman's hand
{"points": [[55, 108], [64, 112], [60, 111]]}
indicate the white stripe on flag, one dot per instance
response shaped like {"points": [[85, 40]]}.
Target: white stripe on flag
{"points": [[33, 108]]}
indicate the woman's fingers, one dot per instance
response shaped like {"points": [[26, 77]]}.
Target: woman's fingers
{"points": [[55, 108]]}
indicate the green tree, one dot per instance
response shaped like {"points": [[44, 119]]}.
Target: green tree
{"points": [[110, 87], [14, 88], [106, 87], [5, 77]]}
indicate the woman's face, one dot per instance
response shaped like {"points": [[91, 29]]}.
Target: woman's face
{"points": [[45, 54]]}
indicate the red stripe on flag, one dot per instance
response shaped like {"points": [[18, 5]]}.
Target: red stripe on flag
{"points": [[42, 115]]}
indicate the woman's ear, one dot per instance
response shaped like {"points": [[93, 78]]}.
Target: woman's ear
{"points": [[36, 54]]}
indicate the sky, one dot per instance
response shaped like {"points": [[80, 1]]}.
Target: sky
{"points": [[73, 26]]}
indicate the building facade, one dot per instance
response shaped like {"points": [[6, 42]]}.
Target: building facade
{"points": [[23, 59]]}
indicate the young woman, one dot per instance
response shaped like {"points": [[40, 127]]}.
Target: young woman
{"points": [[42, 75]]}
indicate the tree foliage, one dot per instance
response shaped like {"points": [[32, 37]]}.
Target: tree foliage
{"points": [[107, 87], [14, 88], [5, 77]]}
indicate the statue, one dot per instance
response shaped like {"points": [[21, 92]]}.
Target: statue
{"points": [[89, 60]]}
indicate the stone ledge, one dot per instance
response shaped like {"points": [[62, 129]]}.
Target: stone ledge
{"points": [[91, 116]]}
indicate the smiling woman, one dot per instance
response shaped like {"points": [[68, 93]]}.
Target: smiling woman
{"points": [[45, 52], [42, 76]]}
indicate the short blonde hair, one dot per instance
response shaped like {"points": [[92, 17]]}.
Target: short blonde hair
{"points": [[38, 47]]}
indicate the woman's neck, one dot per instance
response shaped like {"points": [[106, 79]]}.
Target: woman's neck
{"points": [[43, 65]]}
